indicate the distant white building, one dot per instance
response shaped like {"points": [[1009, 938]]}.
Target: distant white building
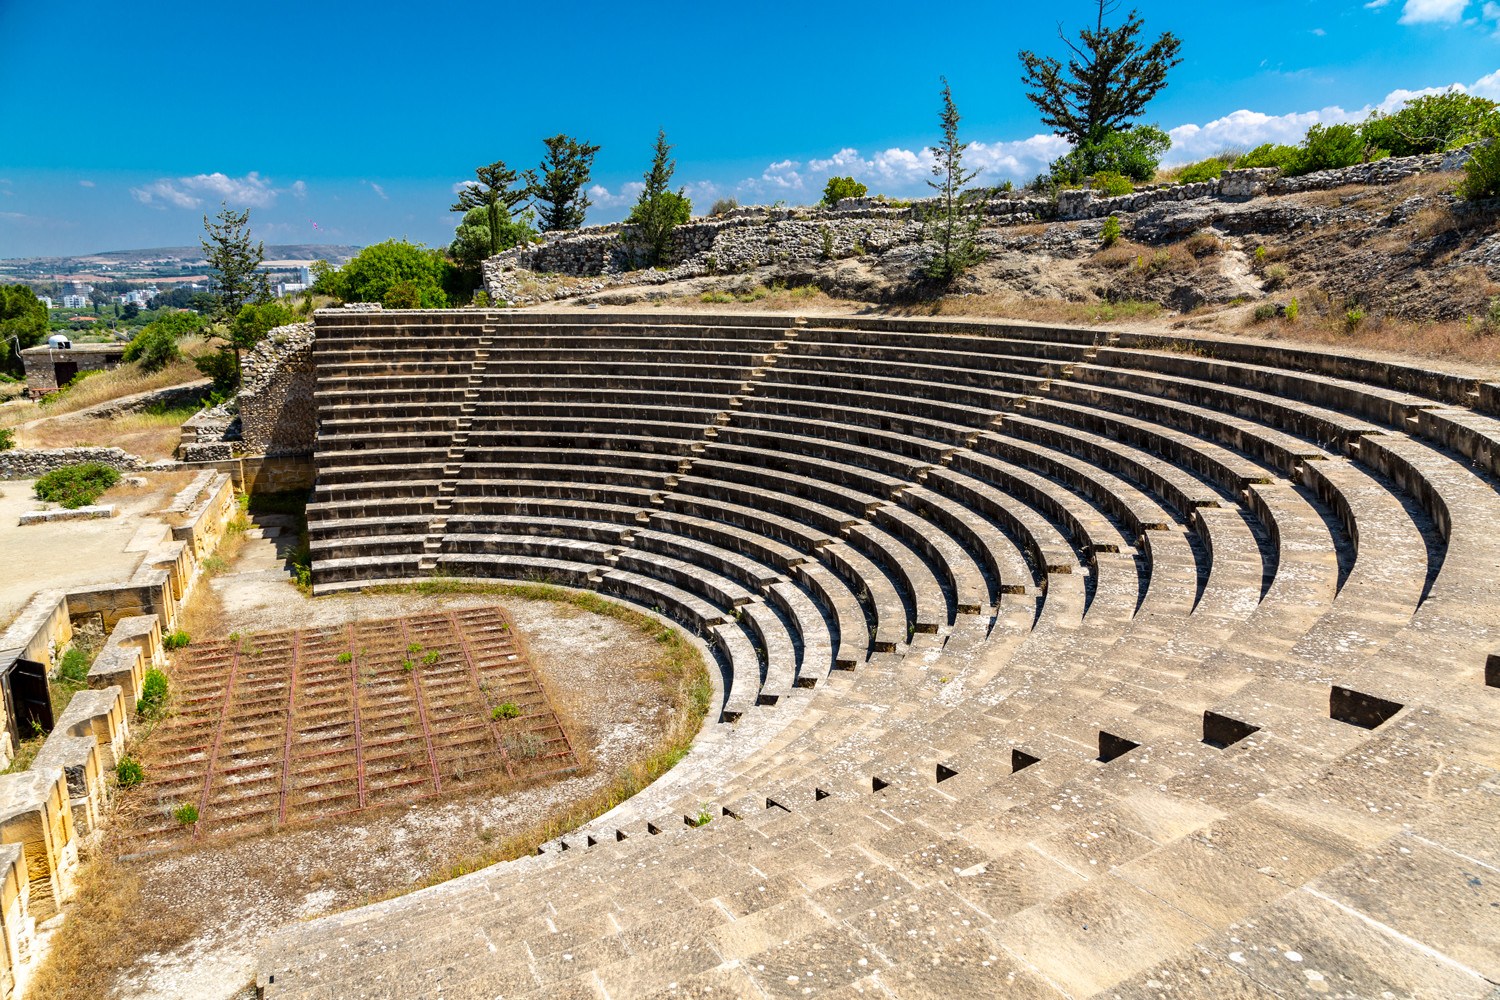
{"points": [[46, 301], [285, 288], [75, 301]]}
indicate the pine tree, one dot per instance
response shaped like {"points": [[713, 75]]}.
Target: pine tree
{"points": [[1108, 82], [951, 227], [493, 193], [557, 184], [658, 210], [237, 279]]}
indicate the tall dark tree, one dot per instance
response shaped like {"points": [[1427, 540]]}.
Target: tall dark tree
{"points": [[23, 322], [659, 209], [557, 184], [493, 193], [1108, 81], [234, 261], [951, 227]]}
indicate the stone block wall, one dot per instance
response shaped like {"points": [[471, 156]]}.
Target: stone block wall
{"points": [[29, 463], [277, 413]]}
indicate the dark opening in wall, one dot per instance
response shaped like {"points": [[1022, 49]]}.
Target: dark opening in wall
{"points": [[1112, 747], [773, 804], [819, 795], [725, 810], [590, 842], [621, 835], [1020, 760], [1492, 670], [652, 829], [1221, 731], [876, 784], [945, 772], [1359, 709]]}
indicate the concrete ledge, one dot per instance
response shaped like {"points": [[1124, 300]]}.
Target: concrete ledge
{"points": [[102, 512]]}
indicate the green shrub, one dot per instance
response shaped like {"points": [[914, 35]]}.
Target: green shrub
{"points": [[1271, 154], [75, 486], [129, 773], [1431, 124], [1482, 173], [1204, 170], [430, 658], [1110, 235], [839, 188], [1264, 312], [186, 814], [1353, 317], [74, 665], [345, 657], [1293, 311], [724, 206], [7, 439], [1328, 147], [1111, 184], [153, 348], [153, 694], [176, 640], [506, 710]]}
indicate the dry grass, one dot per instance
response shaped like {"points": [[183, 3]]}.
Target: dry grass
{"points": [[1466, 340], [109, 928], [152, 436], [1036, 310], [775, 297]]}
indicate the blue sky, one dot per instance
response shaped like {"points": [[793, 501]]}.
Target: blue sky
{"points": [[124, 123]]}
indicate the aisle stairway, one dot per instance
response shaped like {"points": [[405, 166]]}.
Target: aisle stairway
{"points": [[1053, 662]]}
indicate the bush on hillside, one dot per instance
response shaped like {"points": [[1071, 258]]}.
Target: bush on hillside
{"points": [[1482, 173], [1134, 153], [1328, 147], [153, 348], [839, 188], [7, 439], [724, 206], [379, 268], [1112, 185], [1205, 170], [1270, 154], [1430, 124], [75, 486]]}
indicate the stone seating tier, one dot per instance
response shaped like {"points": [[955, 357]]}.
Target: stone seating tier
{"points": [[1051, 661]]}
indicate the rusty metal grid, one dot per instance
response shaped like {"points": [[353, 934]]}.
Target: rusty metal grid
{"points": [[295, 727]]}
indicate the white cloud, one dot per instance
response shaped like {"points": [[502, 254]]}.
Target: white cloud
{"points": [[459, 187], [627, 195], [298, 189], [252, 190], [1319, 32], [1433, 11], [380, 191], [87, 184], [1376, 4], [1246, 129]]}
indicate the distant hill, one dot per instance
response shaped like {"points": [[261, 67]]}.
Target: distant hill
{"points": [[336, 254]]}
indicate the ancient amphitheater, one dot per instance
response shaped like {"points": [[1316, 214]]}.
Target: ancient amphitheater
{"points": [[1054, 662]]}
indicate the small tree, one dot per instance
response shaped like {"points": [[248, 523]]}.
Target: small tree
{"points": [[839, 188], [658, 210], [557, 184], [1109, 79], [474, 242], [950, 227], [235, 263], [493, 194]]}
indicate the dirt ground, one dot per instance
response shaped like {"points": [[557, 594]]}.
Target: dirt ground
{"points": [[226, 897], [71, 554]]}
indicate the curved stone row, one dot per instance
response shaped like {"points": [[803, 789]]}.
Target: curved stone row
{"points": [[1022, 630]]}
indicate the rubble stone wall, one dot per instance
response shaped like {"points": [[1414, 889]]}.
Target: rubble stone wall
{"points": [[277, 412]]}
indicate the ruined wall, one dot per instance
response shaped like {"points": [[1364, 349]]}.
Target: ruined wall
{"points": [[753, 237], [29, 463], [277, 413]]}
